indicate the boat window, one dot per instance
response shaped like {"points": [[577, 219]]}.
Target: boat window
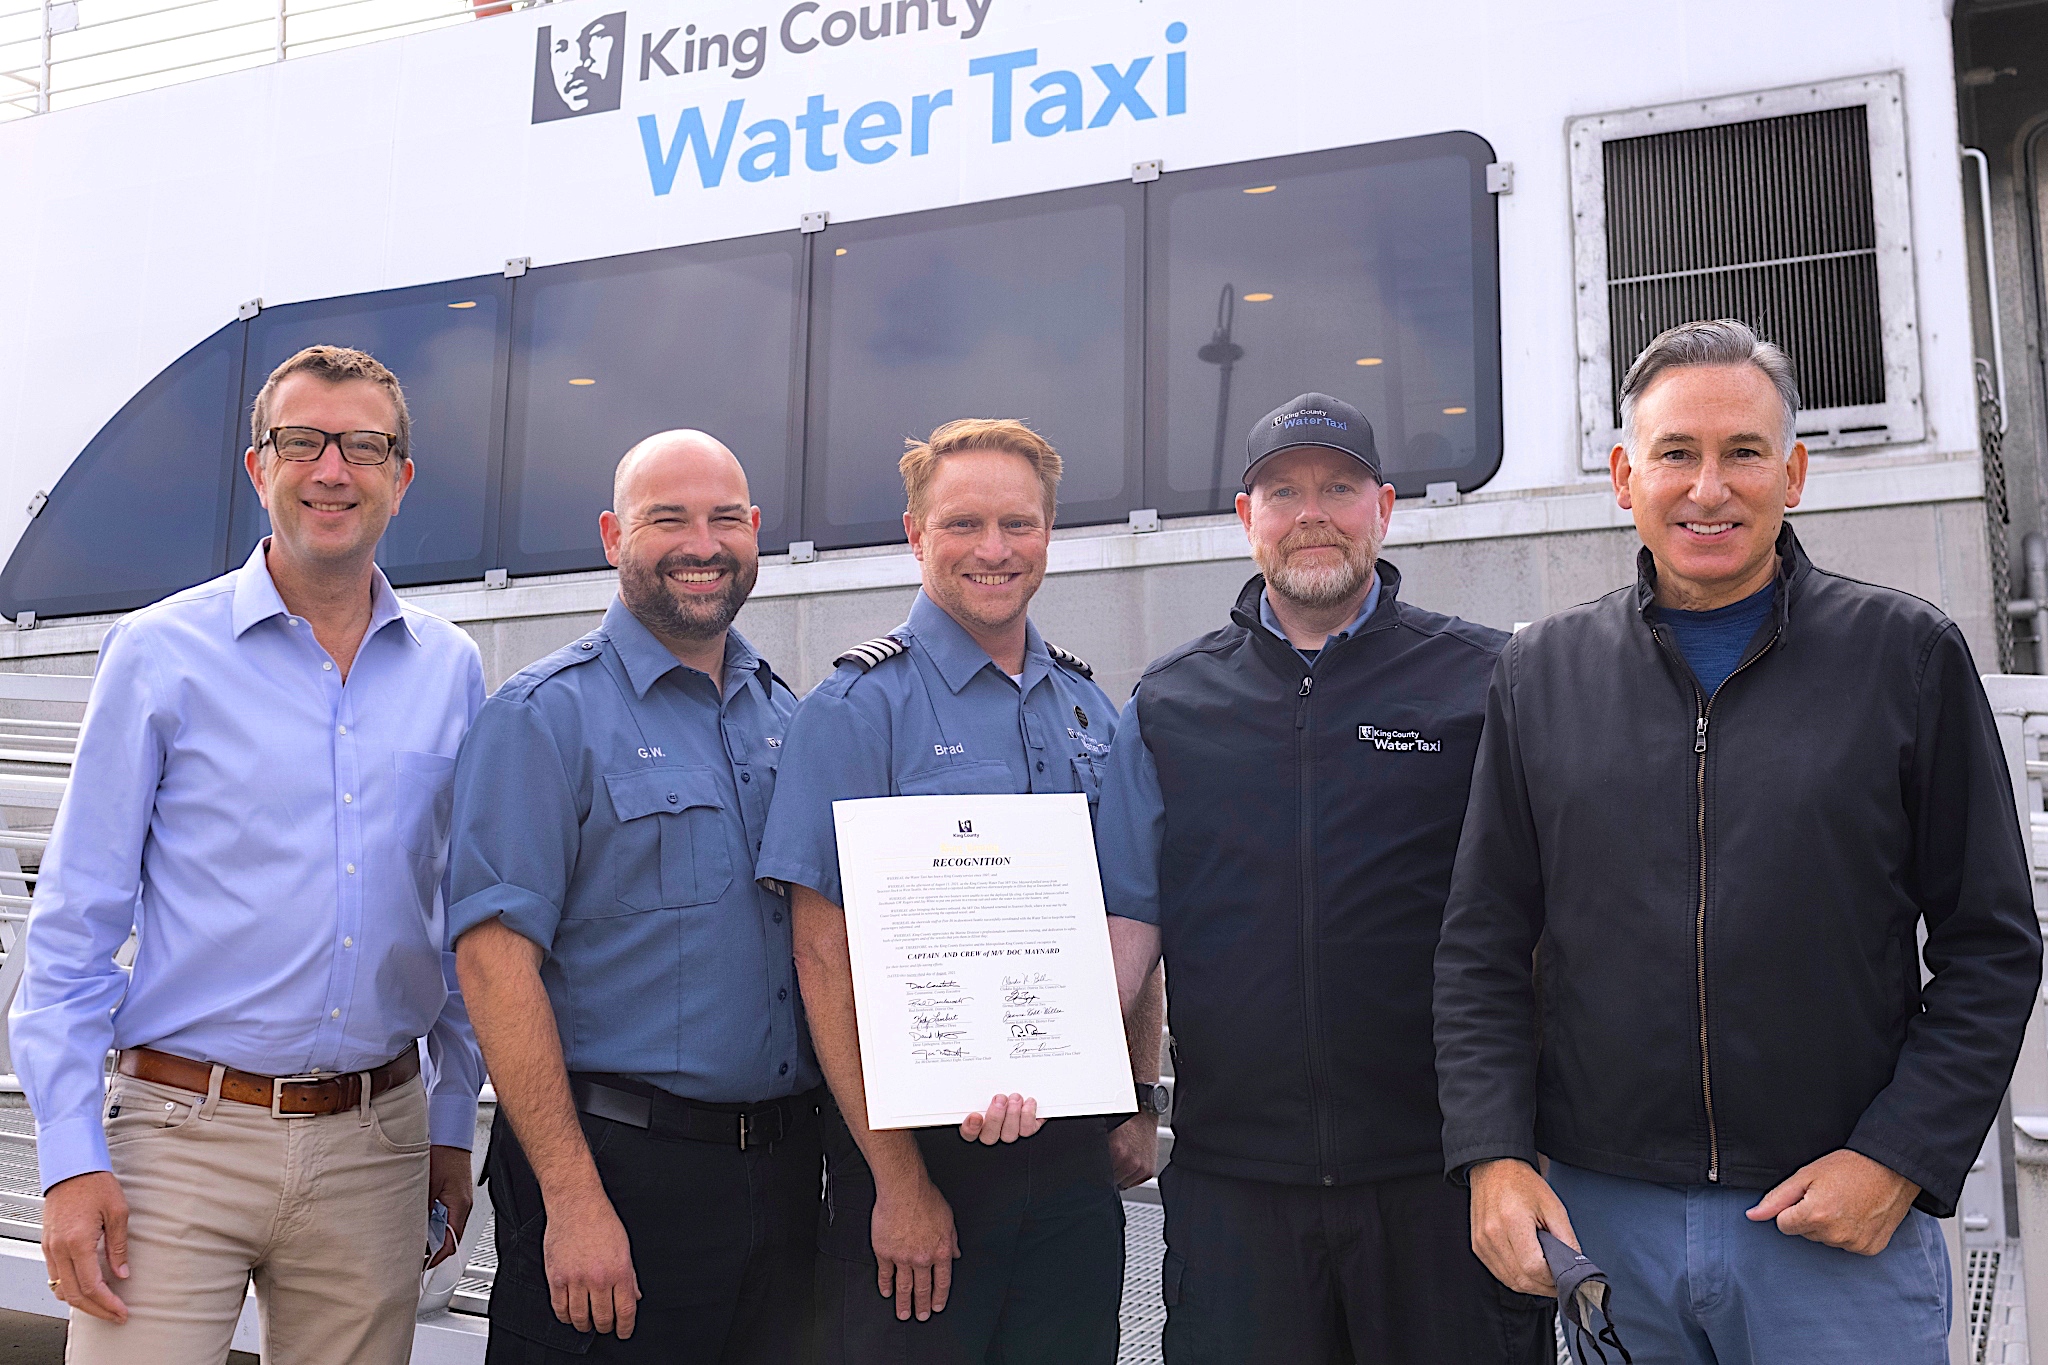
{"points": [[1020, 308], [444, 342], [1367, 273], [141, 512], [608, 352]]}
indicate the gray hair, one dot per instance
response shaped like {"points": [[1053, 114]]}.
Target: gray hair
{"points": [[1723, 341]]}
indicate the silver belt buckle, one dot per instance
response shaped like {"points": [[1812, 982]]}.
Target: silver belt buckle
{"points": [[745, 1134], [277, 1085]]}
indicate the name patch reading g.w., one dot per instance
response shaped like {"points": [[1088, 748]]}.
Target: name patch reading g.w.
{"points": [[1399, 741]]}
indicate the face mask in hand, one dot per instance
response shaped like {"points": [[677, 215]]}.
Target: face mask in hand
{"points": [[1582, 1295]]}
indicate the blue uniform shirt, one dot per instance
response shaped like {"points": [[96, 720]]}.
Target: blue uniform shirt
{"points": [[938, 719], [608, 806], [1130, 828]]}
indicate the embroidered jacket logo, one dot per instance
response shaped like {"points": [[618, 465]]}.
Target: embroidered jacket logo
{"points": [[1399, 741]]}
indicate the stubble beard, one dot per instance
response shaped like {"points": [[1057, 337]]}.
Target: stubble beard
{"points": [[644, 589]]}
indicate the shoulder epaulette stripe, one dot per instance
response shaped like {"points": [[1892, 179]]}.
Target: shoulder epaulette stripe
{"points": [[1074, 662], [871, 652]]}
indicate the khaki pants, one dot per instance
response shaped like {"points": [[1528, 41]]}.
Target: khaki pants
{"points": [[328, 1214]]}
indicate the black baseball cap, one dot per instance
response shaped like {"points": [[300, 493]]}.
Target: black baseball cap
{"points": [[1314, 419]]}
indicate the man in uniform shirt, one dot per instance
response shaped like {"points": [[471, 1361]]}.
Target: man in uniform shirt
{"points": [[964, 697], [1280, 815], [261, 794], [654, 1163]]}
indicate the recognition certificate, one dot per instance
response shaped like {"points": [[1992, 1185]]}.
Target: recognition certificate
{"points": [[981, 962]]}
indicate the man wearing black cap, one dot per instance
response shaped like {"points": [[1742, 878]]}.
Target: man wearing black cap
{"points": [[1280, 817]]}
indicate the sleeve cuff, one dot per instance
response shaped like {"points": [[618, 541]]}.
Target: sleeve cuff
{"points": [[71, 1147], [451, 1119], [529, 915], [792, 873], [1938, 1195], [1459, 1161], [1134, 908]]}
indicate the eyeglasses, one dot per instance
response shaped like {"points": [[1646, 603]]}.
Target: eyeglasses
{"points": [[304, 444]]}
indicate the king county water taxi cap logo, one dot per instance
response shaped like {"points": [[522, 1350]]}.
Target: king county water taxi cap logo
{"points": [[581, 71]]}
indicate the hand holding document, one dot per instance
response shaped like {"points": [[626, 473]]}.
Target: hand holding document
{"points": [[980, 954]]}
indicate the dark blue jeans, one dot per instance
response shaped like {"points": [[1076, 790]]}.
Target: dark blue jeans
{"points": [[1696, 1283]]}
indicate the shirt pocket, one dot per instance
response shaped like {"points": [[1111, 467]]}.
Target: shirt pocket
{"points": [[962, 777], [671, 848], [425, 797]]}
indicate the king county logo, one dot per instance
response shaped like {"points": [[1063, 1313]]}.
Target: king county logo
{"points": [[579, 74], [1399, 741]]}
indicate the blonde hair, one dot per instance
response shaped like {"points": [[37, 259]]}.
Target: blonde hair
{"points": [[336, 365], [920, 463]]}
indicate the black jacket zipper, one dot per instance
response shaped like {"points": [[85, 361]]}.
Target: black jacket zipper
{"points": [[1312, 1014], [1703, 710]]}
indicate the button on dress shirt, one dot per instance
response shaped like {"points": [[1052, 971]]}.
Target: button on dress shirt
{"points": [[608, 806], [939, 719], [276, 838]]}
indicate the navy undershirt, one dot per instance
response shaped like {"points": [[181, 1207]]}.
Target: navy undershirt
{"points": [[1713, 641]]}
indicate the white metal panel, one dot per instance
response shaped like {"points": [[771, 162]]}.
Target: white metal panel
{"points": [[135, 226]]}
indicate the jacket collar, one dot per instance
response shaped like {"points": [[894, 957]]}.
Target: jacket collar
{"points": [[956, 655], [257, 599], [647, 660], [1793, 567]]}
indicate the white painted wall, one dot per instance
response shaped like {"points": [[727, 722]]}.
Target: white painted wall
{"points": [[132, 228]]}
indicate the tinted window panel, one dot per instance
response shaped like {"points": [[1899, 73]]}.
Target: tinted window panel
{"points": [[140, 512], [443, 341], [1369, 273], [1026, 308], [700, 336]]}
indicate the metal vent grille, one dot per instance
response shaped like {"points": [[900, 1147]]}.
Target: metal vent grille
{"points": [[1768, 220]]}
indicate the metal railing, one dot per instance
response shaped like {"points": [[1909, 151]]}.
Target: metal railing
{"points": [[59, 53], [2003, 1227]]}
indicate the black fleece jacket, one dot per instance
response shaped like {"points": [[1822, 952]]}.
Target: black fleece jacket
{"points": [[1723, 897]]}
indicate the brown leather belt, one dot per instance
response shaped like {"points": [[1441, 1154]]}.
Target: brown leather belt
{"points": [[286, 1097]]}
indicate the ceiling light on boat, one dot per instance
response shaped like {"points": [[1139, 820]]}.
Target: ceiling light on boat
{"points": [[1258, 298], [586, 383], [1262, 189], [466, 303], [1371, 360]]}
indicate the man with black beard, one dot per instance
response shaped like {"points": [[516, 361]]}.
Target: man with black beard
{"points": [[655, 1160], [1279, 818]]}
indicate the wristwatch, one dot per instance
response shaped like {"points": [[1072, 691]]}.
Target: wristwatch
{"points": [[1154, 1099]]}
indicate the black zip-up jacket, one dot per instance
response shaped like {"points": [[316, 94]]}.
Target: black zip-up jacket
{"points": [[1723, 895], [1311, 817]]}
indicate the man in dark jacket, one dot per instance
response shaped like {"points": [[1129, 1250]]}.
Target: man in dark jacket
{"points": [[1280, 816], [1718, 807]]}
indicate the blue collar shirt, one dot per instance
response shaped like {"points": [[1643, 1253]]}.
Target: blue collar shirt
{"points": [[938, 719], [608, 806], [274, 835], [1272, 622]]}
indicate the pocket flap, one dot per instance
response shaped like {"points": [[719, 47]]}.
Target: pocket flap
{"points": [[651, 791], [961, 777]]}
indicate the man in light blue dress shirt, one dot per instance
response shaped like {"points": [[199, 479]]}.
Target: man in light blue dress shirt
{"points": [[261, 794]]}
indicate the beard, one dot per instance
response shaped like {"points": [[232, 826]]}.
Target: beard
{"points": [[644, 588], [1323, 585]]}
